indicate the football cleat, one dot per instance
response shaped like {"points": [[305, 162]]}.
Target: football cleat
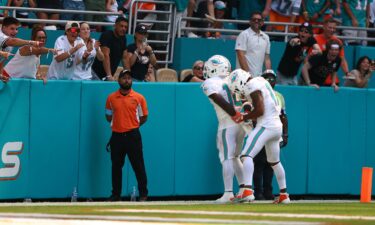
{"points": [[245, 195], [226, 198], [282, 199]]}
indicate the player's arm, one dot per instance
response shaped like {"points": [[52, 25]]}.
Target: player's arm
{"points": [[258, 104], [220, 101]]}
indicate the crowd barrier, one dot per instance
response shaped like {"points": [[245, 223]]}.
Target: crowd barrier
{"points": [[53, 139]]}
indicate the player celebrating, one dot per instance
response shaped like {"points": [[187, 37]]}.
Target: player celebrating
{"points": [[267, 132], [216, 71]]}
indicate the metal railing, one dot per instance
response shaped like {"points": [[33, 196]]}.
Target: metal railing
{"points": [[285, 33], [64, 11]]}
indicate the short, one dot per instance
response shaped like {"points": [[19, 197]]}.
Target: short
{"points": [[284, 80], [263, 137], [355, 33], [229, 142]]}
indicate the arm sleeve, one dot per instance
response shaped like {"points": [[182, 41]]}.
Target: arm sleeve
{"points": [[108, 107], [59, 46], [241, 42], [144, 109]]}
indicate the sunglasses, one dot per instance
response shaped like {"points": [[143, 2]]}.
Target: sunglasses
{"points": [[198, 68], [304, 31], [74, 30], [256, 20]]}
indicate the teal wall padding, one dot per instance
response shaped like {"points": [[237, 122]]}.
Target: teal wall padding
{"points": [[54, 137], [14, 127], [198, 168], [64, 132]]}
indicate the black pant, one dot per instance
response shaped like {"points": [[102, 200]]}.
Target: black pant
{"points": [[122, 144], [263, 174]]}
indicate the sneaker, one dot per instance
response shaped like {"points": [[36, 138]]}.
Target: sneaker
{"points": [[245, 195], [114, 198], [226, 198], [282, 199]]}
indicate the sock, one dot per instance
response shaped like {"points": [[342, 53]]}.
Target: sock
{"points": [[248, 167], [228, 174], [238, 169], [280, 175]]}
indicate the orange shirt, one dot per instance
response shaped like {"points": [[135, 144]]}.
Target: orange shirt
{"points": [[125, 110], [322, 41]]}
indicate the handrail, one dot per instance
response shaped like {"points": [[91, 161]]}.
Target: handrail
{"points": [[286, 33], [70, 11]]}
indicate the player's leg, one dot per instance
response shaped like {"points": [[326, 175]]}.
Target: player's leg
{"points": [[227, 164], [273, 157]]}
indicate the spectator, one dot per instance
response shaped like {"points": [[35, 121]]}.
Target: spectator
{"points": [[91, 51], [144, 6], [284, 11], [318, 67], [111, 6], [48, 4], [95, 5], [197, 75], [295, 53], [22, 3], [220, 10], [253, 47], [246, 8], [26, 62], [113, 46], [355, 14], [329, 29], [314, 11], [199, 9], [8, 40], [140, 54], [126, 110], [263, 172], [360, 76], [150, 76], [69, 47], [73, 5]]}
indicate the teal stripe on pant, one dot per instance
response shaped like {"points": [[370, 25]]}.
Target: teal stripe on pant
{"points": [[255, 139], [225, 144]]}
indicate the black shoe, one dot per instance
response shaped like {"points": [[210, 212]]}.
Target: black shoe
{"points": [[268, 196], [259, 197], [114, 198], [143, 198]]}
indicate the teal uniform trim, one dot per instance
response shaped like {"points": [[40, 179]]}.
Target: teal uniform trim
{"points": [[256, 137], [225, 144]]}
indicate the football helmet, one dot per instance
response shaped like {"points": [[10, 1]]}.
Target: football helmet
{"points": [[215, 66], [237, 80]]}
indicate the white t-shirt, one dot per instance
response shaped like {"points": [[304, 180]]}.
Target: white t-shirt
{"points": [[3, 47], [23, 66], [219, 86], [83, 70], [64, 70], [270, 118], [256, 46]]}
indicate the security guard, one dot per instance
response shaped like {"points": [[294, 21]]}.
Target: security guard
{"points": [[127, 110]]}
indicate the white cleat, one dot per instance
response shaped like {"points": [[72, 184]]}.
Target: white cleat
{"points": [[282, 199], [245, 195], [226, 198]]}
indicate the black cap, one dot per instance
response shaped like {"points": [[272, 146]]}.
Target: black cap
{"points": [[307, 26], [141, 28], [124, 72]]}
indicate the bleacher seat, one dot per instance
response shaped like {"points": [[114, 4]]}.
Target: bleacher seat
{"points": [[184, 73], [166, 75]]}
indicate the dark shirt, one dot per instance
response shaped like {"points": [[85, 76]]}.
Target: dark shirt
{"points": [[189, 77], [321, 68], [140, 67], [117, 46], [293, 57]]}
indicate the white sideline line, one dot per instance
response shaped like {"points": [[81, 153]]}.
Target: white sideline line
{"points": [[284, 215], [56, 219]]}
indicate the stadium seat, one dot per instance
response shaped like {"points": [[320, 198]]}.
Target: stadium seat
{"points": [[184, 73], [166, 75]]}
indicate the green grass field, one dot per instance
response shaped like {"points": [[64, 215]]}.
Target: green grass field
{"points": [[203, 213]]}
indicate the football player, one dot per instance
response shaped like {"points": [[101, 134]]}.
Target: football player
{"points": [[216, 71], [268, 131]]}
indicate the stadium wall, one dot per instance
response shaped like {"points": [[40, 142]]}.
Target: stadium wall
{"points": [[64, 133]]}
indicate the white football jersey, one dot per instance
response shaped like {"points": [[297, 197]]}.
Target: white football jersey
{"points": [[64, 70], [83, 70], [219, 86], [3, 47], [270, 118], [23, 66]]}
